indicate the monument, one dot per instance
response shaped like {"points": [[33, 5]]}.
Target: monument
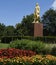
{"points": [[38, 27]]}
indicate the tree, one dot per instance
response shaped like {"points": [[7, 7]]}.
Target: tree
{"points": [[2, 27], [19, 29], [9, 31], [49, 21], [27, 25]]}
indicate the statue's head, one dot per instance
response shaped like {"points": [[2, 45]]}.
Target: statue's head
{"points": [[36, 4]]}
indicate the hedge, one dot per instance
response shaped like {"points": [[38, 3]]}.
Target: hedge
{"points": [[48, 39], [8, 39]]}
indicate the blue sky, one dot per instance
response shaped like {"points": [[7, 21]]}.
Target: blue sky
{"points": [[12, 11]]}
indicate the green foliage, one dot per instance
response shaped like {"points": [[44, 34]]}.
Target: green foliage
{"points": [[47, 49], [27, 63], [1, 63], [37, 46], [53, 52], [37, 62], [27, 25], [8, 39], [2, 27], [28, 45], [9, 31], [49, 21], [19, 29], [9, 63], [51, 62], [47, 39]]}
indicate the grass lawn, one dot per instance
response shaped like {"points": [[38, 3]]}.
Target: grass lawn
{"points": [[4, 45]]}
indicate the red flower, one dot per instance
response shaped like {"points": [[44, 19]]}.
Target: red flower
{"points": [[12, 52]]}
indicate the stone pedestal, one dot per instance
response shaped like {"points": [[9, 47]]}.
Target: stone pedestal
{"points": [[38, 29]]}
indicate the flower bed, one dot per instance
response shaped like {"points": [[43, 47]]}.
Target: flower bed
{"points": [[12, 52], [23, 57], [26, 60]]}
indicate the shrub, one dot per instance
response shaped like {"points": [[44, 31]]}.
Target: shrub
{"points": [[53, 51], [51, 62], [48, 39], [1, 63], [47, 49], [36, 46], [8, 39]]}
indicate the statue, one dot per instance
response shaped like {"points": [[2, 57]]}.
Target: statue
{"points": [[36, 14]]}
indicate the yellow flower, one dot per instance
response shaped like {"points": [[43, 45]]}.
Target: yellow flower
{"points": [[1, 59]]}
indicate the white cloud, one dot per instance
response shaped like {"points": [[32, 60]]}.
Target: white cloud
{"points": [[54, 5]]}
